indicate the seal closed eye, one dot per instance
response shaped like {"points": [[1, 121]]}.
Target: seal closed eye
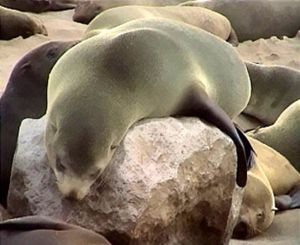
{"points": [[145, 68]]}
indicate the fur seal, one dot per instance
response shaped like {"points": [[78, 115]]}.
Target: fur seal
{"points": [[39, 6], [14, 23], [272, 175], [257, 19], [274, 88], [36, 230], [25, 96], [85, 11], [144, 68], [284, 134], [200, 17]]}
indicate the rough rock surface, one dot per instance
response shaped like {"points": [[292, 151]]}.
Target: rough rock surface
{"points": [[4, 215], [172, 181]]}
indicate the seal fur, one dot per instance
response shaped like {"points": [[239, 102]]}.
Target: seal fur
{"points": [[141, 69]]}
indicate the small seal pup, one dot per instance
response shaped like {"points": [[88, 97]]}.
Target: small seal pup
{"points": [[144, 68], [36, 230], [274, 88], [200, 17], [257, 19], [14, 23], [272, 175], [25, 96], [284, 134], [85, 11]]}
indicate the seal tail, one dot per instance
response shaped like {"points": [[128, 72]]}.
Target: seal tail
{"points": [[196, 103]]}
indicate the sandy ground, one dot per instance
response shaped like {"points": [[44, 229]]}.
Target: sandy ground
{"points": [[286, 227], [59, 26]]}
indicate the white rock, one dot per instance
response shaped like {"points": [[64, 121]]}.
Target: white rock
{"points": [[172, 181]]}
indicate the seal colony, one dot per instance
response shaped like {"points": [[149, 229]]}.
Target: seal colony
{"points": [[91, 108], [200, 17]]}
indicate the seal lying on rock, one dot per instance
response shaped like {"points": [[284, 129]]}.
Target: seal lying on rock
{"points": [[38, 6], [272, 175], [14, 23], [36, 230], [257, 19], [142, 69], [199, 17], [85, 11], [25, 96], [274, 88], [284, 134]]}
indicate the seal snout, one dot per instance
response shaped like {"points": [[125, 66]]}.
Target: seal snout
{"points": [[73, 190], [241, 230], [73, 195]]}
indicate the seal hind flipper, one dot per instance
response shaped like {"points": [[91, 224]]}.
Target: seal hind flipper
{"points": [[196, 103], [33, 223]]}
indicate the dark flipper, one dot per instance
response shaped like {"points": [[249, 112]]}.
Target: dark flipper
{"points": [[196, 103], [295, 195], [283, 202], [289, 201]]}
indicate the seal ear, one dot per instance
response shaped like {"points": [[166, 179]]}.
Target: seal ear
{"points": [[25, 66]]}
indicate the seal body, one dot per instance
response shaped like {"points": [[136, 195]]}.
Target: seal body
{"points": [[39, 6], [85, 11], [14, 23], [196, 16], [25, 96], [272, 175], [141, 69], [284, 134], [36, 230], [279, 18], [274, 88]]}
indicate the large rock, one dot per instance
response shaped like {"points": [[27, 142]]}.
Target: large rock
{"points": [[4, 215], [170, 182]]}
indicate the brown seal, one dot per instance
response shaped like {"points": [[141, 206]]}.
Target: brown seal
{"points": [[38, 6], [257, 19], [37, 230], [85, 11], [274, 88], [200, 17], [272, 175], [284, 134], [144, 68], [25, 96], [14, 23]]}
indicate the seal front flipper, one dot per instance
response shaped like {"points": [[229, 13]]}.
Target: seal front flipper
{"points": [[283, 202], [295, 196], [196, 103]]}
